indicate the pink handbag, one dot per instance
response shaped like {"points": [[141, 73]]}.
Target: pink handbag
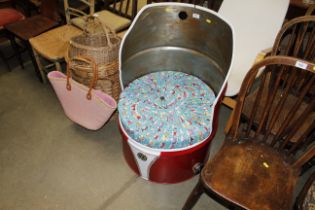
{"points": [[85, 106]]}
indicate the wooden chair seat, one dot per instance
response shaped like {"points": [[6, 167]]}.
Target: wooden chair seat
{"points": [[31, 27], [113, 21], [242, 168], [53, 44], [256, 169]]}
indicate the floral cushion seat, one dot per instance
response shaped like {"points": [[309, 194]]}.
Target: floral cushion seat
{"points": [[167, 110]]}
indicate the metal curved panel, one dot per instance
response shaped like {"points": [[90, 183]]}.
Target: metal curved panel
{"points": [[177, 37]]}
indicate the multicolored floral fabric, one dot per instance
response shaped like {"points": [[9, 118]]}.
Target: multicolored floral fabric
{"points": [[167, 110]]}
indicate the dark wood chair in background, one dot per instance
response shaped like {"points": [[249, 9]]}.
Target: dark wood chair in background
{"points": [[35, 25], [8, 15], [296, 38], [258, 168], [28, 7], [115, 15]]}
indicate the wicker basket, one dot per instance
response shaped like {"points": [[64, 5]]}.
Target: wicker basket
{"points": [[103, 49]]}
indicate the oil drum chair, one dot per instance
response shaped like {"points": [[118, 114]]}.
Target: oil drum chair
{"points": [[173, 76], [52, 46], [258, 168], [35, 25]]}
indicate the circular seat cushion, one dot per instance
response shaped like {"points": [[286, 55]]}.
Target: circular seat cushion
{"points": [[167, 110], [9, 15]]}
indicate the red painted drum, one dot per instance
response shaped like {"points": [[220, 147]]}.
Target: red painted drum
{"points": [[173, 75], [166, 166]]}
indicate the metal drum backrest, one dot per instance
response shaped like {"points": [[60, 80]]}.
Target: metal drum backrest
{"points": [[177, 37]]}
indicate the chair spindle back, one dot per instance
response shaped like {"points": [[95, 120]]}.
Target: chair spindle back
{"points": [[271, 111]]}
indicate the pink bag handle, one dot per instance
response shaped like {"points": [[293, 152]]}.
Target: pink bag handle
{"points": [[90, 61]]}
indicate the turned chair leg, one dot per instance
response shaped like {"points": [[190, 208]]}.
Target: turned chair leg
{"points": [[16, 49], [40, 66], [194, 196]]}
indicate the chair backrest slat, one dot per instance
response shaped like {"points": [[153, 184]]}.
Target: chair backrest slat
{"points": [[310, 46], [297, 38], [268, 105], [295, 124], [309, 154], [124, 8], [253, 113], [127, 6], [310, 10], [283, 95]]}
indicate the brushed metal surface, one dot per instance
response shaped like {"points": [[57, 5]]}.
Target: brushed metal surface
{"points": [[200, 43]]}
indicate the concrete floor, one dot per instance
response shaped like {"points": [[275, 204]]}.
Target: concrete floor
{"points": [[48, 162]]}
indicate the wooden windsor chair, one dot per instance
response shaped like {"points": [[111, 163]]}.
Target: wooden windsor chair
{"points": [[296, 38], [310, 10], [258, 168], [115, 15]]}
